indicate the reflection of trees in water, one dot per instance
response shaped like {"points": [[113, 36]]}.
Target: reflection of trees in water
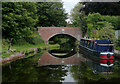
{"points": [[116, 70], [65, 41], [26, 70], [52, 73], [84, 73], [75, 72]]}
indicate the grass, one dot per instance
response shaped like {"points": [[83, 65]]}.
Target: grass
{"points": [[26, 47], [4, 55]]}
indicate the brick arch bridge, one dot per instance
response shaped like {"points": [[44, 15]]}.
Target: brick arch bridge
{"points": [[47, 32]]}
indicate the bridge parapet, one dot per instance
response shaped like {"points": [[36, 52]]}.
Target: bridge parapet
{"points": [[47, 32]]}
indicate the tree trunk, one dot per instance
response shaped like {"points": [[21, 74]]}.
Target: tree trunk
{"points": [[10, 44]]}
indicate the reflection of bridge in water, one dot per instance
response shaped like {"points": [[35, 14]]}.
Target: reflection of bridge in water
{"points": [[48, 59]]}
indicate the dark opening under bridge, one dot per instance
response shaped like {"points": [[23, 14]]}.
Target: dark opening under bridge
{"points": [[47, 32]]}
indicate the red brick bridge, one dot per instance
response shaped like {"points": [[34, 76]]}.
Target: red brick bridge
{"points": [[47, 32]]}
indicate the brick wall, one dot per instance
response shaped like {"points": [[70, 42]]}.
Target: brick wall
{"points": [[47, 32]]}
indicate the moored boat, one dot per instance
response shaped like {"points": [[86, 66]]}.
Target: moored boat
{"points": [[100, 49]]}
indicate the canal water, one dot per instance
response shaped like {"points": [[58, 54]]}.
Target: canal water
{"points": [[63, 67]]}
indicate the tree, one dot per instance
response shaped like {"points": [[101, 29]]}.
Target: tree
{"points": [[97, 24], [90, 17], [104, 8], [93, 23], [78, 19], [107, 32], [75, 15], [19, 19], [114, 20], [51, 14]]}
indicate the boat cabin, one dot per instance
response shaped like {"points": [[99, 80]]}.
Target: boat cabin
{"points": [[103, 45]]}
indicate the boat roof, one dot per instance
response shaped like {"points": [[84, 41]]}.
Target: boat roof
{"points": [[88, 39], [101, 41]]}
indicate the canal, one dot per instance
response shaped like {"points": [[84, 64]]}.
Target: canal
{"points": [[60, 66]]}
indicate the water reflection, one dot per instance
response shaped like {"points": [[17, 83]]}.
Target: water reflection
{"points": [[100, 68], [48, 59], [62, 54], [43, 67], [26, 70]]}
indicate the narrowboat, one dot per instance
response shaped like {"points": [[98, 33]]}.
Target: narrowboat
{"points": [[98, 49]]}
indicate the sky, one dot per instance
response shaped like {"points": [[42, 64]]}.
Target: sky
{"points": [[68, 5]]}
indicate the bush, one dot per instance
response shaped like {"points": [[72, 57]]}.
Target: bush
{"points": [[34, 40], [107, 32], [5, 44], [118, 43], [21, 41]]}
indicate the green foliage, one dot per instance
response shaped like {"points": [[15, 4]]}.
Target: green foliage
{"points": [[4, 55], [75, 72], [107, 32], [114, 20], [93, 21], [34, 39], [103, 8], [5, 44], [101, 27], [21, 41], [86, 72], [66, 42], [18, 19], [51, 14], [78, 19], [117, 44], [90, 18], [75, 15]]}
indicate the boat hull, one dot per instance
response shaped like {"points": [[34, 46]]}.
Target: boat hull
{"points": [[92, 54]]}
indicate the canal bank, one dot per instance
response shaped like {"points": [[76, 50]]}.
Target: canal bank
{"points": [[24, 53]]}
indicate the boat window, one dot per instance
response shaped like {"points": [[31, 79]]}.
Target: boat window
{"points": [[88, 44], [91, 45], [82, 42], [94, 45]]}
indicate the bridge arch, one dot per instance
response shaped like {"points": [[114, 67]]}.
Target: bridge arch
{"points": [[61, 34], [47, 32]]}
